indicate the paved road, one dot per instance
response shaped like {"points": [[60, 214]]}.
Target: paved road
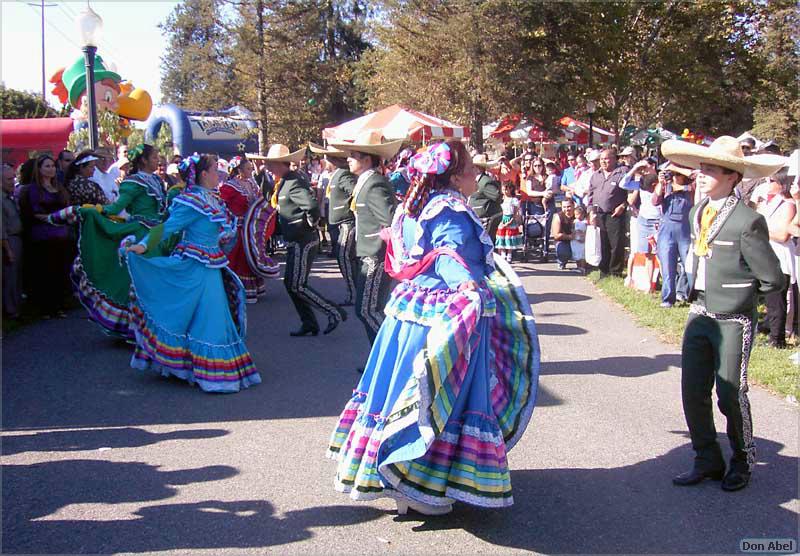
{"points": [[101, 459]]}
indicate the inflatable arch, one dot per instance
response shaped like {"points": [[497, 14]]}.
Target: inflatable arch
{"points": [[227, 132]]}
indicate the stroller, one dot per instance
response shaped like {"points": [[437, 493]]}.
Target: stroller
{"points": [[535, 237]]}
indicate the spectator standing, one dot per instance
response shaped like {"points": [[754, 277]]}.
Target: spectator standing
{"points": [[568, 176], [102, 175], [629, 156], [581, 188], [122, 158], [65, 158], [12, 247], [779, 210], [608, 202], [674, 195], [51, 251], [641, 181], [82, 190]]}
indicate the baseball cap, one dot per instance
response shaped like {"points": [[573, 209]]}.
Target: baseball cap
{"points": [[627, 151]]}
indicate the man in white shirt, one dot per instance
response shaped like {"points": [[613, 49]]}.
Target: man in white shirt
{"points": [[102, 175], [122, 155]]}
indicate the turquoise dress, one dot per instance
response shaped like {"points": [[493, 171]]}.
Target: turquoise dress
{"points": [[188, 309], [451, 380]]}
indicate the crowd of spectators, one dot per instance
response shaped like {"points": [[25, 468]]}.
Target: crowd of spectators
{"points": [[634, 204]]}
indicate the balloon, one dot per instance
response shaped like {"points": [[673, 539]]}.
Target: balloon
{"points": [[312, 102]]}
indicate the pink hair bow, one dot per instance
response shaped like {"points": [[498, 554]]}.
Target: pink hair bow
{"points": [[434, 160]]}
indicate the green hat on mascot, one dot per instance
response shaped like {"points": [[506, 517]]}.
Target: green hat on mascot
{"points": [[74, 77]]}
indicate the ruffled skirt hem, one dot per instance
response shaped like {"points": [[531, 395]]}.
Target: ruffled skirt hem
{"points": [[215, 368]]}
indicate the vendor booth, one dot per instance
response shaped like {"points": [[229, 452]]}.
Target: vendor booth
{"points": [[398, 122]]}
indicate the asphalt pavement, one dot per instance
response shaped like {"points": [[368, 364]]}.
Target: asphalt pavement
{"points": [[99, 458]]}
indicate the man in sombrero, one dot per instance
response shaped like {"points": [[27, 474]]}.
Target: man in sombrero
{"points": [[341, 186], [487, 199], [373, 204], [732, 264], [298, 213]]}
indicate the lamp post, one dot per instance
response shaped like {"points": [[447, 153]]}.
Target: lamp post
{"points": [[90, 26], [591, 106]]}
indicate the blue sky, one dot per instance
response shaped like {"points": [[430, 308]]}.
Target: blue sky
{"points": [[131, 39]]}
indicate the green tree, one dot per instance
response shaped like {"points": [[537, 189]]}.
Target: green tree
{"points": [[196, 68], [777, 110], [20, 104]]}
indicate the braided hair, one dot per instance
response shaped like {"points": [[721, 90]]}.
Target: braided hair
{"points": [[424, 184], [191, 167]]}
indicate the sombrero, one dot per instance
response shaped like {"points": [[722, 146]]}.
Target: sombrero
{"points": [[317, 149], [726, 152], [369, 142], [280, 153], [682, 170], [482, 161]]}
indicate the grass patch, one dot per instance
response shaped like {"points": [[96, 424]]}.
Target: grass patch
{"points": [[769, 367]]}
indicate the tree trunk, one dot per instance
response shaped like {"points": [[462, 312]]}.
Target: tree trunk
{"points": [[261, 93], [476, 126]]}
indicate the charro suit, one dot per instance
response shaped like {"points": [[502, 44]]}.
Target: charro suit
{"points": [[374, 202], [297, 210], [719, 333], [486, 202], [341, 186]]}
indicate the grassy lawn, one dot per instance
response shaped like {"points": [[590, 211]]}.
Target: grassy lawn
{"points": [[769, 367]]}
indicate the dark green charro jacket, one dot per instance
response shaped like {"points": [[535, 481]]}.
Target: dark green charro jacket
{"points": [[374, 210], [741, 263], [296, 206], [342, 184], [486, 201]]}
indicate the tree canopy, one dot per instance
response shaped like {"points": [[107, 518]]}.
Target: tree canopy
{"points": [[301, 65], [20, 104]]}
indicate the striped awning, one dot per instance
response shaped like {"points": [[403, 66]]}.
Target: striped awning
{"points": [[397, 122]]}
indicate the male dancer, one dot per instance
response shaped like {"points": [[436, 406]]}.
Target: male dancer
{"points": [[733, 264], [298, 213], [341, 185], [373, 204]]}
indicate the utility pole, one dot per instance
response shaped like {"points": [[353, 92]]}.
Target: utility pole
{"points": [[41, 5]]}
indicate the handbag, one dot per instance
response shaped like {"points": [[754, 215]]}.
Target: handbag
{"points": [[593, 248]]}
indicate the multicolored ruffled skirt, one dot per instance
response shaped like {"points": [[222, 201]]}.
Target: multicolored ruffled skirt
{"points": [[509, 237], [190, 321], [448, 389]]}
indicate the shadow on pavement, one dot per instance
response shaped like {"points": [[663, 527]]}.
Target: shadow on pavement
{"points": [[81, 440], [210, 524], [555, 297], [552, 329], [622, 366], [635, 509]]}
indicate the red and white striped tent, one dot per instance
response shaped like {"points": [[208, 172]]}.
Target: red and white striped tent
{"points": [[397, 122]]}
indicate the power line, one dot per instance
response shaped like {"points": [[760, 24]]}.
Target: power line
{"points": [[41, 5]]}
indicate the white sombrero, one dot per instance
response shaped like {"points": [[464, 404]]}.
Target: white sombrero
{"points": [[369, 142], [726, 152], [281, 153], [318, 149], [482, 161]]}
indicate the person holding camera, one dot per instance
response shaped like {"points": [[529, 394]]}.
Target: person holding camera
{"points": [[673, 193], [641, 181]]}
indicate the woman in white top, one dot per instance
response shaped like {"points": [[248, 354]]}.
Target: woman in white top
{"points": [[779, 210]]}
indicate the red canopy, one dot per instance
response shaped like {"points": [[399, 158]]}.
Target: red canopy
{"points": [[18, 137], [398, 122]]}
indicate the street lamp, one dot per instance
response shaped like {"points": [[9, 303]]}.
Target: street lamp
{"points": [[90, 26], [591, 106]]}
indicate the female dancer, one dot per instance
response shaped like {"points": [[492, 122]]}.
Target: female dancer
{"points": [[239, 193], [102, 284], [189, 308], [451, 380]]}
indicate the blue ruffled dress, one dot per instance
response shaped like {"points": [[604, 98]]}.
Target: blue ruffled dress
{"points": [[188, 308], [451, 380]]}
